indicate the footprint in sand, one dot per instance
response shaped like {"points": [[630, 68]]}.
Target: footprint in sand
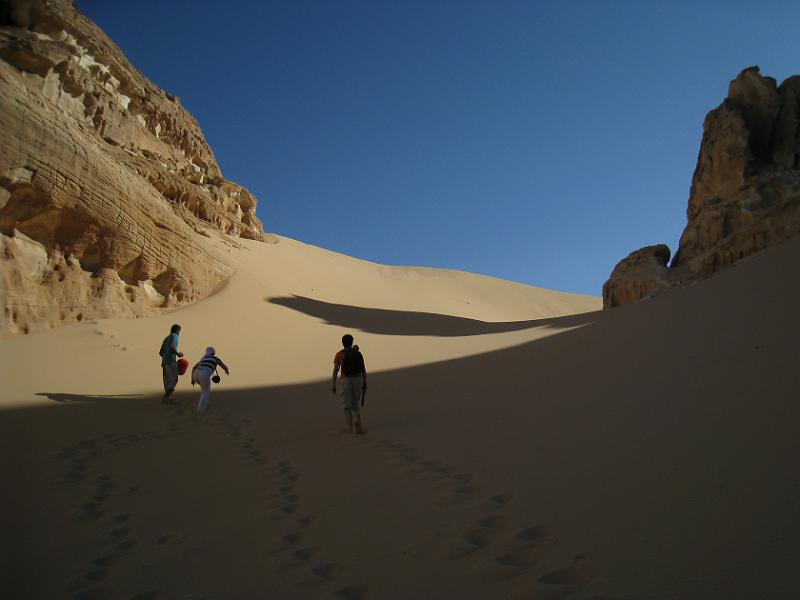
{"points": [[490, 571], [284, 512], [538, 534], [530, 591], [253, 454], [289, 477], [306, 521], [501, 499], [287, 542], [96, 575], [93, 594], [443, 472], [120, 532], [65, 453], [353, 592], [425, 468], [281, 492], [169, 538], [327, 571], [126, 545], [149, 595], [283, 470], [574, 575], [294, 559], [516, 553], [557, 584], [306, 554], [456, 496], [494, 521], [105, 483], [279, 502], [468, 542], [73, 477], [462, 478], [90, 511], [107, 560], [285, 563]]}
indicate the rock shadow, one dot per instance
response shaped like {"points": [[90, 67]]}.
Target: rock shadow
{"points": [[399, 322]]}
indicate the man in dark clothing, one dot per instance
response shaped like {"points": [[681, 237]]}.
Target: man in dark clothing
{"points": [[169, 361], [353, 381]]}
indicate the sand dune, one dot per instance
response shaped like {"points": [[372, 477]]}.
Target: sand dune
{"points": [[521, 444], [259, 322]]}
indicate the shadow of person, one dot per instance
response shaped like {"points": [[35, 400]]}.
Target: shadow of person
{"points": [[62, 397]]}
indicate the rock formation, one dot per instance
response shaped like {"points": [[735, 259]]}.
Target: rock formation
{"points": [[106, 181], [745, 193], [642, 273]]}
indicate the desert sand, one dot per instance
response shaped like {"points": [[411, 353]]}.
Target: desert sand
{"points": [[521, 443]]}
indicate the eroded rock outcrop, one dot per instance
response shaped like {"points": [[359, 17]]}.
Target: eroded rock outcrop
{"points": [[745, 193], [105, 180], [642, 273]]}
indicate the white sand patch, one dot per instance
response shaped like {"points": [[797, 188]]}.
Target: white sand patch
{"points": [[57, 37], [151, 292], [124, 101]]}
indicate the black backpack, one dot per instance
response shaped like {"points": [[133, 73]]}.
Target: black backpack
{"points": [[352, 362]]}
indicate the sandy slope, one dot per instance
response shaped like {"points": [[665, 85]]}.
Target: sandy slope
{"points": [[256, 324], [646, 452]]}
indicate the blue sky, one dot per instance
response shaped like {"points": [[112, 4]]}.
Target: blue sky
{"points": [[534, 141]]}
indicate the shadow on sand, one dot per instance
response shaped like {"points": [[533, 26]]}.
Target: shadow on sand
{"points": [[639, 414], [398, 322], [59, 397]]}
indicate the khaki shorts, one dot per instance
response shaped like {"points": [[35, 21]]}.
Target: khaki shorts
{"points": [[350, 391]]}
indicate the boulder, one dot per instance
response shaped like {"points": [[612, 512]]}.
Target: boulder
{"points": [[641, 274]]}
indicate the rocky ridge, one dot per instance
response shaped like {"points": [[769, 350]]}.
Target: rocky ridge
{"points": [[106, 180], [745, 192]]}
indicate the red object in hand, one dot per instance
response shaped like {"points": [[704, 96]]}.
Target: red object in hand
{"points": [[183, 364]]}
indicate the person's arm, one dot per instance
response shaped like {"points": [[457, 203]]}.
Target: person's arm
{"points": [[224, 367], [364, 376], [174, 346], [333, 377]]}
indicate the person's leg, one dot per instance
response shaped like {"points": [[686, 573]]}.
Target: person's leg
{"points": [[357, 383], [170, 380], [350, 402], [357, 422], [203, 377], [165, 378], [348, 417]]}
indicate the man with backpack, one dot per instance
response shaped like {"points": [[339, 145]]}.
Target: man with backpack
{"points": [[353, 382], [169, 361]]}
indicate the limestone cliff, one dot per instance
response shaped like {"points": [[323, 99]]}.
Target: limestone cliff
{"points": [[106, 181], [745, 193]]}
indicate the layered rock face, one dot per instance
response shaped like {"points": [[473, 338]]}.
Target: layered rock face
{"points": [[106, 181], [745, 193]]}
